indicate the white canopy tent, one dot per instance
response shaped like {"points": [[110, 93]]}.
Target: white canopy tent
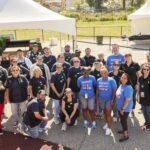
{"points": [[27, 14], [141, 20]]}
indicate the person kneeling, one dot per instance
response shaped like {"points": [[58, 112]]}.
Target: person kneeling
{"points": [[69, 110], [36, 117]]}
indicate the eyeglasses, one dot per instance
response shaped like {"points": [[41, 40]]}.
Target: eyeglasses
{"points": [[116, 65], [15, 70]]}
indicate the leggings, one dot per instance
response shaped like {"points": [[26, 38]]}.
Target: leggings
{"points": [[123, 120]]}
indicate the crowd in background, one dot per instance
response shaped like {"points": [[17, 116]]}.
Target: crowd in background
{"points": [[77, 86]]}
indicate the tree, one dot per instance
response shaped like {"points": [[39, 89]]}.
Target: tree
{"points": [[91, 3]]}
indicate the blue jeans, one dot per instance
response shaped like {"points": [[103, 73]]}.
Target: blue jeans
{"points": [[146, 113], [34, 132], [115, 111]]}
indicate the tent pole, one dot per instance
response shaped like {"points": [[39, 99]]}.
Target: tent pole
{"points": [[42, 34], [15, 34]]}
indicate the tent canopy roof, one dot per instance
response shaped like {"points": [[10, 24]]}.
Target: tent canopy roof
{"points": [[143, 12], [27, 14]]}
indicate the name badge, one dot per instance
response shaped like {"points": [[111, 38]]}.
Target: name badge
{"points": [[86, 95], [142, 94]]}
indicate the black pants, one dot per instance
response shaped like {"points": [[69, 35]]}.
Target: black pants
{"points": [[123, 120], [134, 99], [73, 119]]}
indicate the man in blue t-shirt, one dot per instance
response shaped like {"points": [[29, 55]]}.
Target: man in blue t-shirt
{"points": [[87, 84], [116, 56], [105, 95]]}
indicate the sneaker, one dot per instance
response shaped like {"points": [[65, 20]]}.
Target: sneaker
{"points": [[85, 124], [76, 123], [105, 126], [115, 119], [1, 132], [56, 121], [108, 131], [64, 126], [124, 138], [93, 125]]}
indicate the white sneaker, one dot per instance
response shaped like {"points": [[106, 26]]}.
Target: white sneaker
{"points": [[76, 123], [108, 131], [105, 126], [64, 126], [115, 119], [56, 121]]}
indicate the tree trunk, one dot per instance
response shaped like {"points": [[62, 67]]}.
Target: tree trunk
{"points": [[124, 4]]}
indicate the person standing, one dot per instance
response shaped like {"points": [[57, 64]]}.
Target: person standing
{"points": [[124, 100], [37, 82], [17, 93], [67, 54], [24, 63], [74, 73], [65, 65], [105, 95], [57, 85], [89, 59], [87, 84], [48, 58], [144, 94], [45, 71], [116, 74], [116, 56], [133, 70]]}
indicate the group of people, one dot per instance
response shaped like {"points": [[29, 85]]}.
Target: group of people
{"points": [[77, 86]]}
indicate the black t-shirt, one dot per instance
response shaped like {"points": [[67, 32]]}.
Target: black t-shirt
{"points": [[69, 106], [68, 57], [104, 61], [116, 77], [74, 74], [17, 88], [58, 80], [50, 61], [89, 60], [37, 84], [33, 56], [95, 73], [34, 105], [65, 65], [144, 92], [131, 71], [2, 92]]}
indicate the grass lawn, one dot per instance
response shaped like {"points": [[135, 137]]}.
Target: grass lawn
{"points": [[105, 28]]}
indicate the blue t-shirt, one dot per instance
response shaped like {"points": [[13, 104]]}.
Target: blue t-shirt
{"points": [[123, 92], [105, 88], [113, 58], [86, 85]]}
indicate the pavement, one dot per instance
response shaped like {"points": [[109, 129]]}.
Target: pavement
{"points": [[78, 138]]}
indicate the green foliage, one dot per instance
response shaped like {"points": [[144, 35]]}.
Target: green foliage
{"points": [[88, 17]]}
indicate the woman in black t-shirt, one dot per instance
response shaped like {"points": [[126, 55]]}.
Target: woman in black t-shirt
{"points": [[144, 94], [69, 110], [37, 82]]}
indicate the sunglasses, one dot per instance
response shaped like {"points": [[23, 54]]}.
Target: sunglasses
{"points": [[116, 65]]}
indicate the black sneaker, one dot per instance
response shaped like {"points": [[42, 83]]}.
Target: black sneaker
{"points": [[120, 132], [1, 132], [124, 138]]}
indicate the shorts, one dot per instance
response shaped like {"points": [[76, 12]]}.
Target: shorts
{"points": [[105, 104], [87, 103]]}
